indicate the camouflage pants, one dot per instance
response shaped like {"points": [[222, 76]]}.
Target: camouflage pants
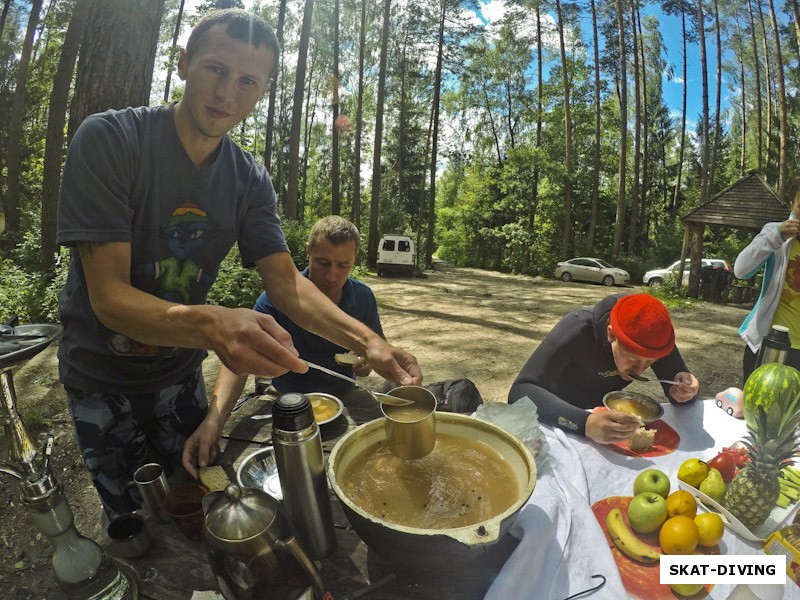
{"points": [[118, 433]]}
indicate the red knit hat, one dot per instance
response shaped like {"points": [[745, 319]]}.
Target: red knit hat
{"points": [[642, 324]]}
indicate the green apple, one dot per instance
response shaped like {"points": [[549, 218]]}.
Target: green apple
{"points": [[647, 512], [651, 480], [686, 589]]}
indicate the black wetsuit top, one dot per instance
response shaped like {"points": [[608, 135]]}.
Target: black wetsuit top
{"points": [[573, 368]]}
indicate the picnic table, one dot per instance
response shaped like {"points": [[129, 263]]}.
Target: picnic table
{"points": [[175, 568]]}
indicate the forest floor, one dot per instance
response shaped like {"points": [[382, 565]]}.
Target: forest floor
{"points": [[458, 322]]}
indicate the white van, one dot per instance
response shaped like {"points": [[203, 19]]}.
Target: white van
{"points": [[396, 253]]}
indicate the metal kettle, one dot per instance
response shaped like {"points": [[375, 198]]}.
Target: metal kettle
{"points": [[252, 550]]}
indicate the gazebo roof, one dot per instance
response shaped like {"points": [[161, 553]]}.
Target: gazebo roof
{"points": [[749, 203]]}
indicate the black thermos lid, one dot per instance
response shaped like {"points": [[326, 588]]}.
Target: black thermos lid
{"points": [[778, 338], [292, 412]]}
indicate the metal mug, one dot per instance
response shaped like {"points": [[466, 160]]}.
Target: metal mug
{"points": [[128, 536], [411, 430], [151, 481]]}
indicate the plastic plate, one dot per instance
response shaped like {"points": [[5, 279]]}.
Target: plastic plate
{"points": [[774, 521]]}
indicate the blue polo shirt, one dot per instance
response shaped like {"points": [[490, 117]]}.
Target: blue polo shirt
{"points": [[358, 301]]}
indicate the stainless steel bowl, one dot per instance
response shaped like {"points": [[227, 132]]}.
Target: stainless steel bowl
{"points": [[649, 409], [259, 470]]}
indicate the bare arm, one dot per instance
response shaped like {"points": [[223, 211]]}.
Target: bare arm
{"points": [[300, 299], [201, 447], [246, 341]]}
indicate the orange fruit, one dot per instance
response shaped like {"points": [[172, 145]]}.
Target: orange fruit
{"points": [[679, 535], [681, 503], [711, 527]]}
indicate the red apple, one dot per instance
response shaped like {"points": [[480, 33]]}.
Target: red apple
{"points": [[725, 464]]}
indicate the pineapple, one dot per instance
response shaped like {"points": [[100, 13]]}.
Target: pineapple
{"points": [[752, 494]]}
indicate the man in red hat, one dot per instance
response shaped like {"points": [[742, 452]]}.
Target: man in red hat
{"points": [[596, 350]]}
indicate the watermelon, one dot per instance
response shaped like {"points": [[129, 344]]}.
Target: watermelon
{"points": [[770, 386]]}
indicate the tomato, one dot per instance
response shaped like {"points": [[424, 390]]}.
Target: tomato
{"points": [[725, 464]]}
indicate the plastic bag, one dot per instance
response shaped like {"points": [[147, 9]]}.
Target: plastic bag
{"points": [[521, 419]]}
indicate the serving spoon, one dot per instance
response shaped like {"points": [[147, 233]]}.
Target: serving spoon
{"points": [[640, 378], [384, 398]]}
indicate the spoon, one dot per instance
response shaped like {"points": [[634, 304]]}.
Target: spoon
{"points": [[640, 378], [386, 398]]}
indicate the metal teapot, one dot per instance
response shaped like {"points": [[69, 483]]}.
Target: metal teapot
{"points": [[252, 550]]}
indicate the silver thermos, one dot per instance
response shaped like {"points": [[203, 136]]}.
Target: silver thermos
{"points": [[301, 469], [775, 346]]}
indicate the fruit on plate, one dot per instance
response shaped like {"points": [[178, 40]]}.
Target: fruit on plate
{"points": [[627, 541], [686, 589], [767, 387], [790, 486], [713, 486], [651, 480], [679, 535], [725, 464], [647, 511], [739, 455], [681, 502], [693, 471], [711, 527], [770, 443]]}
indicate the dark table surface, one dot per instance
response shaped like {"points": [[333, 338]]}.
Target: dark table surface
{"points": [[175, 567]]}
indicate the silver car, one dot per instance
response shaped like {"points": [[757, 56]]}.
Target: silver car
{"points": [[656, 277], [591, 269]]}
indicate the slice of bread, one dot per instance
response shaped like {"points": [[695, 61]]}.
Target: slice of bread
{"points": [[346, 359], [642, 440], [214, 478]]}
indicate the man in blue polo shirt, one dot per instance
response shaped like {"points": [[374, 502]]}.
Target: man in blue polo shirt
{"points": [[331, 250]]}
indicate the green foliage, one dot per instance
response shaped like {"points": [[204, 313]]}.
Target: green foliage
{"points": [[236, 286], [31, 294]]}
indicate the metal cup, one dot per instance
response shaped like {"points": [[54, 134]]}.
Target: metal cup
{"points": [[411, 430], [151, 481], [128, 536]]}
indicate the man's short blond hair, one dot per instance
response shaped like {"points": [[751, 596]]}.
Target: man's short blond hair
{"points": [[337, 230]]}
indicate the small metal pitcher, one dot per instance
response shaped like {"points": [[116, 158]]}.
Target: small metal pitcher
{"points": [[252, 550]]}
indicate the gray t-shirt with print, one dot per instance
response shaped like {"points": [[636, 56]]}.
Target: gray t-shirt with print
{"points": [[127, 178]]}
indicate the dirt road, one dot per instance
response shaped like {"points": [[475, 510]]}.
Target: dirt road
{"points": [[458, 322]]}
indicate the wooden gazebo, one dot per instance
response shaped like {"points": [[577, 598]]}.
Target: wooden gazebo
{"points": [[748, 204]]}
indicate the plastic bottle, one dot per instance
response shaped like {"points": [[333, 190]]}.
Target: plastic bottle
{"points": [[301, 469], [775, 346]]}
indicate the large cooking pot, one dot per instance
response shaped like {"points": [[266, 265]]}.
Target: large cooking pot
{"points": [[441, 549]]}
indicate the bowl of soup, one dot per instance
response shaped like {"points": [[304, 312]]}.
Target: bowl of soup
{"points": [[644, 407], [436, 512], [326, 407]]}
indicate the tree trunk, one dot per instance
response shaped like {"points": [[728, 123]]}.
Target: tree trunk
{"points": [[645, 189], [783, 155], [117, 55], [534, 201], [54, 138], [173, 50], [637, 134], [795, 12], [273, 90], [335, 198], [767, 86], [676, 196], [704, 156], [619, 224], [437, 91], [4, 15], [372, 255], [596, 153], [355, 210], [743, 153], [757, 73], [566, 238], [293, 176], [715, 143], [15, 142]]}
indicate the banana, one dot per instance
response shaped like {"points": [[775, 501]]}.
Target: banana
{"points": [[627, 541]]}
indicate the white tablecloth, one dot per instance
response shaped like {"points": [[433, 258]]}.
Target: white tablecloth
{"points": [[561, 542]]}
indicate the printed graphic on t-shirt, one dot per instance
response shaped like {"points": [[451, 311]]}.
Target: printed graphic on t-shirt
{"points": [[176, 276], [608, 373]]}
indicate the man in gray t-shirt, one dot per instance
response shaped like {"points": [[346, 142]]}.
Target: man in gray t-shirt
{"points": [[152, 200]]}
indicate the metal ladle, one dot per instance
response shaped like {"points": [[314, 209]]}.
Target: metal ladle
{"points": [[640, 378], [384, 398]]}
